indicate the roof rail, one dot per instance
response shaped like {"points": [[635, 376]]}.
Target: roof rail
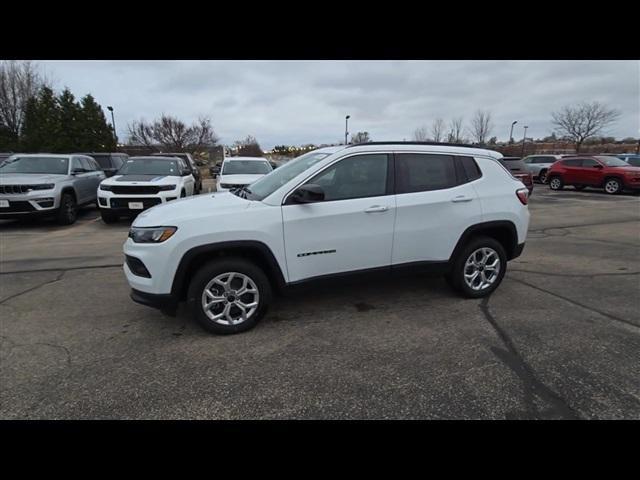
{"points": [[443, 144]]}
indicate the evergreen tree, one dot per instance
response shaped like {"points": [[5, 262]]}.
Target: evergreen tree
{"points": [[95, 135], [69, 137], [41, 123]]}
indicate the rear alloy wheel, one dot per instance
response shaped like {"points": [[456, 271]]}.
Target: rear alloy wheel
{"points": [[555, 183], [542, 176], [612, 186], [229, 295], [479, 268], [68, 211]]}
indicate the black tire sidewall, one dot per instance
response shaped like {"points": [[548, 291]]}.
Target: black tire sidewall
{"points": [[63, 214], [543, 180], [215, 267], [108, 217], [457, 272]]}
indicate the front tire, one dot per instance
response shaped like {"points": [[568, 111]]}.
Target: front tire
{"points": [[556, 183], [479, 268], [68, 211], [229, 295], [108, 217], [612, 186], [542, 176]]}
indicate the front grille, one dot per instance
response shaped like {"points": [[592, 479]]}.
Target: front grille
{"points": [[13, 189], [134, 189], [18, 207], [124, 202]]}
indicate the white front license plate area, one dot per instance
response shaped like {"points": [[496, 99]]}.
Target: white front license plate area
{"points": [[136, 205], [4, 203]]}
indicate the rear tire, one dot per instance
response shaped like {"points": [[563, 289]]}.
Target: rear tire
{"points": [[68, 210], [108, 217], [183, 193], [542, 176], [471, 275], [226, 298], [612, 186], [556, 183]]}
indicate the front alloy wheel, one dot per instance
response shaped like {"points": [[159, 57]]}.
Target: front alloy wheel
{"points": [[555, 183], [612, 186], [231, 298]]}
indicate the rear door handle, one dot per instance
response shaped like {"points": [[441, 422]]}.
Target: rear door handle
{"points": [[376, 208], [461, 198]]}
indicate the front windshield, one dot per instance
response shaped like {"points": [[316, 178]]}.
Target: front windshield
{"points": [[245, 167], [149, 166], [52, 165], [270, 183], [613, 162]]}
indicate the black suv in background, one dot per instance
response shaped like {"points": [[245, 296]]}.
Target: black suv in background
{"points": [[518, 169], [109, 162], [191, 163]]}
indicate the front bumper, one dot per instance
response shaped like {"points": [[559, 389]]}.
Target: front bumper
{"points": [[166, 303], [40, 202], [120, 203]]}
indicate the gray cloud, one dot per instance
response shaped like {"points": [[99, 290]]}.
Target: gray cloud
{"points": [[295, 102]]}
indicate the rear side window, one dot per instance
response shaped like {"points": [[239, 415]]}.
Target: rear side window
{"points": [[470, 169], [417, 172], [576, 162]]}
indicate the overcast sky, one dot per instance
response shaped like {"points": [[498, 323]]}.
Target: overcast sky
{"points": [[296, 102]]}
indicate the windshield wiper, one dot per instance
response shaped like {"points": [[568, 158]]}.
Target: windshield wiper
{"points": [[242, 192]]}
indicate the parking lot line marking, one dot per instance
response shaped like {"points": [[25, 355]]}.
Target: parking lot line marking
{"points": [[67, 269]]}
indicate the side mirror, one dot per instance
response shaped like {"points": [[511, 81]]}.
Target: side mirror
{"points": [[598, 166], [76, 171], [309, 193]]}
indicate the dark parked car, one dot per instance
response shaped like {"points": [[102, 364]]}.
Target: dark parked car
{"points": [[518, 169], [195, 171], [110, 163], [632, 159]]}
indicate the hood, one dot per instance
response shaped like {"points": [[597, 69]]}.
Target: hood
{"points": [[142, 180], [240, 179], [189, 208], [30, 178]]}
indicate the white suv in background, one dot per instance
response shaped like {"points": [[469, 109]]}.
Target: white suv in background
{"points": [[376, 207], [238, 172], [143, 182]]}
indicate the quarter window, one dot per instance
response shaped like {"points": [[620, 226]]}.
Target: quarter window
{"points": [[589, 163], [417, 172], [354, 177], [470, 168], [572, 163]]}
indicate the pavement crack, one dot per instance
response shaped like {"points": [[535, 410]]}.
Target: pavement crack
{"points": [[587, 307], [511, 357], [57, 279], [583, 275]]}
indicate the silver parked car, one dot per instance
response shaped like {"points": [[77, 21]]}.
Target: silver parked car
{"points": [[538, 165], [47, 184]]}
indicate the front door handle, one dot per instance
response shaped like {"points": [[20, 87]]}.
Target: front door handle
{"points": [[461, 198], [376, 208]]}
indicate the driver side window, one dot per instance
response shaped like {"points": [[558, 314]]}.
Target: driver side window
{"points": [[76, 165], [358, 176]]}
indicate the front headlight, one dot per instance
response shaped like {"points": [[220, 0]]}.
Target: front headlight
{"points": [[44, 186], [167, 187], [105, 187], [151, 234]]}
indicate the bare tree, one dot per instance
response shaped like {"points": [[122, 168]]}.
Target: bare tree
{"points": [[360, 137], [584, 120], [437, 130], [249, 147], [481, 126], [455, 134], [19, 81], [173, 134], [420, 134], [140, 133]]}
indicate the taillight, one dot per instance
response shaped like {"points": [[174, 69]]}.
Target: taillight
{"points": [[523, 195]]}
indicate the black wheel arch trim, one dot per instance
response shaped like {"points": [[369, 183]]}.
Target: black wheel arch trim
{"points": [[512, 250], [180, 280]]}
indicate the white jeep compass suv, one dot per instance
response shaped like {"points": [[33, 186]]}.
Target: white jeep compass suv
{"points": [[376, 207]]}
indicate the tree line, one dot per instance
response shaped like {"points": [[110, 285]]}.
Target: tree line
{"points": [[34, 118], [580, 124]]}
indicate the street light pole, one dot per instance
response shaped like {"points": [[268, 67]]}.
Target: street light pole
{"points": [[511, 133], [113, 122], [346, 128], [524, 139]]}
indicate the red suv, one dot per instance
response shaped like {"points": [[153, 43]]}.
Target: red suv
{"points": [[610, 173]]}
